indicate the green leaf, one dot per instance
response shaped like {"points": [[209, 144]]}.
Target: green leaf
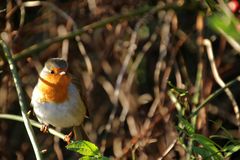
{"points": [[228, 25], [208, 144], [181, 91], [188, 126], [87, 158], [143, 32], [203, 152], [221, 21], [219, 137], [230, 149], [85, 148], [226, 133], [213, 5], [94, 158], [105, 158]]}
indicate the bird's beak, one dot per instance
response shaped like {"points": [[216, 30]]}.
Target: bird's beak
{"points": [[62, 73]]}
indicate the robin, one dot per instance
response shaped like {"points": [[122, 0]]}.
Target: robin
{"points": [[55, 99]]}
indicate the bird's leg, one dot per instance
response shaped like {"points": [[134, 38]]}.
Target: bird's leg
{"points": [[44, 128], [67, 137]]}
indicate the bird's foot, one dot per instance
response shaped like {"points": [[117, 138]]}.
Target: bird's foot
{"points": [[44, 128], [67, 138]]}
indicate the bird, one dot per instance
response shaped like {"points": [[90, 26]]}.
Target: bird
{"points": [[56, 100]]}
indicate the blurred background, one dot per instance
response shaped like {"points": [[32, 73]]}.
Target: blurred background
{"points": [[122, 59]]}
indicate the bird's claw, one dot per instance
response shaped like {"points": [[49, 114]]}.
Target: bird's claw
{"points": [[67, 138], [44, 128]]}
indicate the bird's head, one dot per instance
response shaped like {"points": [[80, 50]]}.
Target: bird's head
{"points": [[55, 66], [53, 80]]}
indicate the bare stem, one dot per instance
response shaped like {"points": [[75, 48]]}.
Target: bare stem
{"points": [[22, 99], [33, 123], [63, 14], [218, 79], [170, 147], [37, 48], [213, 95]]}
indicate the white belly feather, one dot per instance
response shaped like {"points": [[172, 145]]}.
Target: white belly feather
{"points": [[67, 114]]}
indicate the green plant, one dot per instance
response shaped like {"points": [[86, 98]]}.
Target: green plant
{"points": [[225, 22], [204, 146], [88, 150], [196, 144]]}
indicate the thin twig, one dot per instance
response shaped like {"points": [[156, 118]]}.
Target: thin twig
{"points": [[72, 22], [3, 10], [92, 5], [33, 123], [199, 79], [65, 43], [22, 99], [212, 96], [108, 87], [218, 79], [184, 71], [163, 50], [37, 48], [174, 100], [22, 13], [131, 52], [139, 58], [170, 147], [56, 146], [157, 119], [209, 98], [142, 135], [165, 36]]}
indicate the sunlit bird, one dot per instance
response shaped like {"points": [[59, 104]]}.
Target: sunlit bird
{"points": [[56, 100]]}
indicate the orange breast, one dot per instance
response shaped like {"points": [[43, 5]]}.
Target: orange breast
{"points": [[54, 88]]}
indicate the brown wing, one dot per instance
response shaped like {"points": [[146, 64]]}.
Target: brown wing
{"points": [[78, 81]]}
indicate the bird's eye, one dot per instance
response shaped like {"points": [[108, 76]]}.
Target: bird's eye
{"points": [[52, 72]]}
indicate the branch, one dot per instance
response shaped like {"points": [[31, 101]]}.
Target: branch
{"points": [[218, 79], [36, 48], [33, 123], [22, 99], [213, 95], [63, 14], [169, 148]]}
